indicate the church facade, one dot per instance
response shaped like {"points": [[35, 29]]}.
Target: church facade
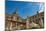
{"points": [[15, 22]]}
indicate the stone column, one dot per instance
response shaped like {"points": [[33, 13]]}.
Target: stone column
{"points": [[19, 27], [41, 22], [16, 25], [27, 23], [11, 26]]}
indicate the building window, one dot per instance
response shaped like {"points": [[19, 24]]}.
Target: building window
{"points": [[17, 18], [35, 16], [14, 18], [39, 18], [9, 18], [37, 21], [34, 21], [43, 19]]}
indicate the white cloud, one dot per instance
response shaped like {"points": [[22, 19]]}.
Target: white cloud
{"points": [[41, 11], [41, 8]]}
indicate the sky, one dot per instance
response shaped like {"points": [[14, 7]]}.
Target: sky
{"points": [[24, 8], [29, 0]]}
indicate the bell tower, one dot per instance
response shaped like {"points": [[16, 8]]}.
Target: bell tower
{"points": [[16, 11], [37, 12]]}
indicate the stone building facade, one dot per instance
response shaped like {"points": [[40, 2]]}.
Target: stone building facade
{"points": [[36, 20], [15, 22]]}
